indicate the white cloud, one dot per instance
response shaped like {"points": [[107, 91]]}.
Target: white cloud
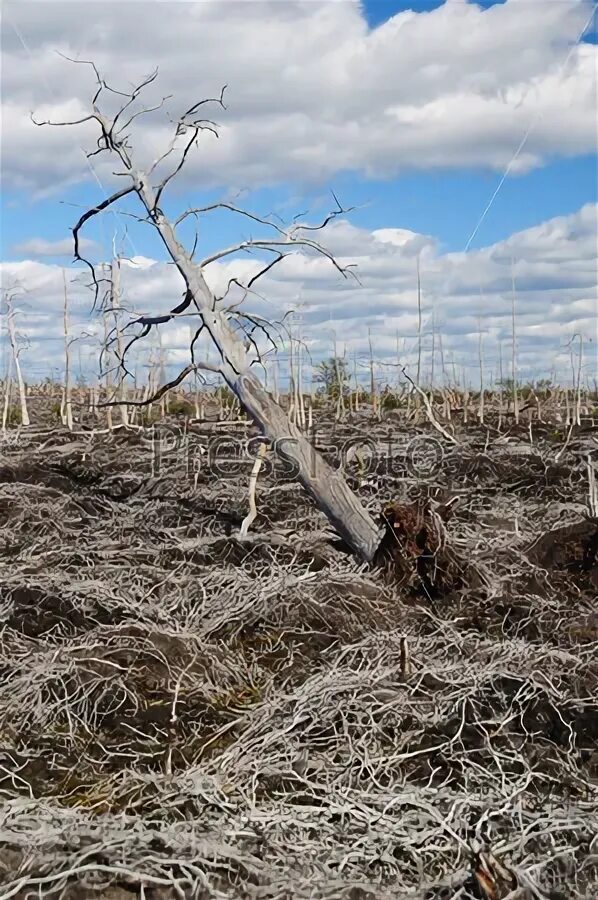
{"points": [[399, 237], [312, 90], [555, 270], [138, 262], [42, 247]]}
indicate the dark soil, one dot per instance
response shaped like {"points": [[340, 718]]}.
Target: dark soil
{"points": [[184, 713]]}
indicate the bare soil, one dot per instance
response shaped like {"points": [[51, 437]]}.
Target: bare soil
{"points": [[185, 714]]}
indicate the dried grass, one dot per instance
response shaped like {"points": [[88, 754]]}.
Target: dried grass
{"points": [[186, 714]]}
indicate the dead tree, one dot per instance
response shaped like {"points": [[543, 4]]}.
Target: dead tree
{"points": [[419, 323], [514, 345], [16, 351], [230, 329], [577, 378], [481, 362], [7, 393], [115, 271], [107, 375], [373, 386], [66, 407]]}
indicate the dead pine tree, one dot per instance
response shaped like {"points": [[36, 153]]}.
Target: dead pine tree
{"points": [[501, 383], [419, 336], [340, 384], [300, 400], [293, 406], [107, 374], [66, 407], [481, 362], [7, 394], [16, 347], [419, 323], [514, 344], [576, 381], [115, 305], [373, 386], [356, 381], [225, 323]]}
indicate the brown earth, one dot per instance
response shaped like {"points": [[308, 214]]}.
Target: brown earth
{"points": [[187, 714]]}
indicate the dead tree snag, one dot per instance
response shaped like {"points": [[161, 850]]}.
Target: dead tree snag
{"points": [[230, 329], [16, 348]]}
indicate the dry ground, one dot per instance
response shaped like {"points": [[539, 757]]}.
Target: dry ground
{"points": [[184, 714]]}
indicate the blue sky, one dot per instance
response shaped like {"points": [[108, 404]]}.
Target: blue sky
{"points": [[378, 11], [445, 203]]}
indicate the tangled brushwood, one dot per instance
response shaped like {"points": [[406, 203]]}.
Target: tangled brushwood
{"points": [[188, 713]]}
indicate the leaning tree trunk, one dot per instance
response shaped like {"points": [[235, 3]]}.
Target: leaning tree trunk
{"points": [[329, 490]]}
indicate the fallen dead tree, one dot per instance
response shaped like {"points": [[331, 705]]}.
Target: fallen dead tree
{"points": [[228, 328]]}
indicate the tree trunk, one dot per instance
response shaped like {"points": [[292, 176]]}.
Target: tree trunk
{"points": [[501, 386], [578, 390], [327, 487], [419, 324], [7, 393], [481, 361], [373, 388], [15, 355], [300, 400], [115, 304], [292, 389], [514, 338], [356, 379], [67, 412], [108, 377], [329, 490]]}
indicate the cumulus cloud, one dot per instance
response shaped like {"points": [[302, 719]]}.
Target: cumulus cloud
{"points": [[312, 89], [553, 266], [43, 247]]}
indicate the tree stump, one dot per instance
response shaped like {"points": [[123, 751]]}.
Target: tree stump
{"points": [[415, 550]]}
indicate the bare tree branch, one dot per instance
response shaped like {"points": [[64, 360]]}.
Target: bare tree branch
{"points": [[430, 412], [326, 485], [118, 195], [165, 387], [243, 246], [235, 209]]}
